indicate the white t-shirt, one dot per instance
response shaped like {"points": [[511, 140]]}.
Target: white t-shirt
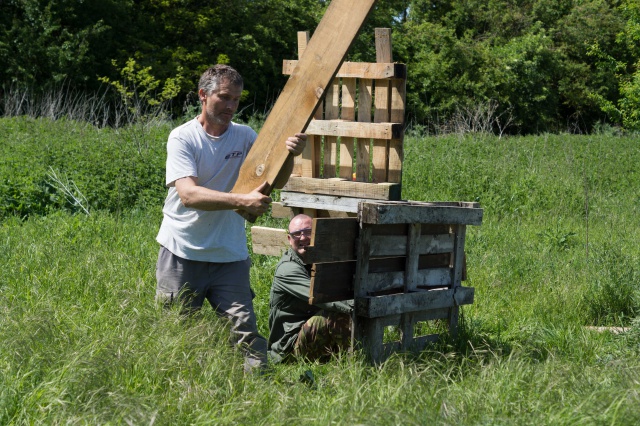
{"points": [[208, 236]]}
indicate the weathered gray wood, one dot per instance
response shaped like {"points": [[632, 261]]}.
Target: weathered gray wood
{"points": [[413, 255], [456, 274], [369, 334], [335, 281], [332, 240], [400, 212], [338, 243], [380, 306], [396, 245], [430, 315], [319, 202], [383, 281], [406, 329], [458, 255]]}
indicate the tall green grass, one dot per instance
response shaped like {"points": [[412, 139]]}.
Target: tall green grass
{"points": [[84, 343]]}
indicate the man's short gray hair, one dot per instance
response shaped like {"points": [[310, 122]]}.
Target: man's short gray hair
{"points": [[212, 77]]}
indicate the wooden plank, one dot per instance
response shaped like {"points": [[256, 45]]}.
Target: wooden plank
{"points": [[367, 70], [382, 102], [369, 334], [413, 253], [396, 245], [306, 164], [331, 282], [382, 246], [420, 316], [347, 188], [363, 155], [383, 45], [302, 93], [280, 212], [423, 278], [269, 241], [354, 129], [331, 112], [406, 328], [347, 113], [332, 240], [458, 262], [396, 150], [335, 280], [401, 229], [379, 213], [320, 202], [380, 306], [359, 330]]}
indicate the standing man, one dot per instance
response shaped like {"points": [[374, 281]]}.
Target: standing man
{"points": [[296, 327], [203, 253]]}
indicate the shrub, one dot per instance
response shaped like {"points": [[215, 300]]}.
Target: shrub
{"points": [[113, 169]]}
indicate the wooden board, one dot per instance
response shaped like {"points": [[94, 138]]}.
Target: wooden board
{"points": [[345, 188], [374, 307], [415, 212], [269, 241], [320, 202], [382, 103], [302, 93], [335, 281], [332, 240], [348, 113], [354, 129], [369, 70]]}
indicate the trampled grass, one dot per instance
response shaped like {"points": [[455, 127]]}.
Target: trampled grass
{"points": [[84, 343]]}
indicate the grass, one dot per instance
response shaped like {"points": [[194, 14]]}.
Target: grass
{"points": [[84, 343]]}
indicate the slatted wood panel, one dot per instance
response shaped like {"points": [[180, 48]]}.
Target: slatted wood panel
{"points": [[358, 131], [400, 261]]}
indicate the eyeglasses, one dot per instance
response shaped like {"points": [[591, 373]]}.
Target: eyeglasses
{"points": [[296, 235]]}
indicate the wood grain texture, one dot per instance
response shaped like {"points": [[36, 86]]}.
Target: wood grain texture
{"points": [[341, 187], [370, 70]]}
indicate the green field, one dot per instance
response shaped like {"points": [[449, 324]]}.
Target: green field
{"points": [[84, 343]]}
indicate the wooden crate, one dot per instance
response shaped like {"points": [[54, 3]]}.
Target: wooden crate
{"points": [[401, 262]]}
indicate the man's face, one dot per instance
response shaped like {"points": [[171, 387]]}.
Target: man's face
{"points": [[300, 234], [220, 105]]}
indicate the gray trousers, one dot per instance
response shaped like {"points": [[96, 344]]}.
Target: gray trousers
{"points": [[227, 288]]}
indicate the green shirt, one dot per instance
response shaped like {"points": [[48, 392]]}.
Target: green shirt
{"points": [[289, 306]]}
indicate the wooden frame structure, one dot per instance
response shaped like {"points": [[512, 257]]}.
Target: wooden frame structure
{"points": [[401, 262]]}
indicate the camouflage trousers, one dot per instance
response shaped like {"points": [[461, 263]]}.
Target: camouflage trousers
{"points": [[322, 335]]}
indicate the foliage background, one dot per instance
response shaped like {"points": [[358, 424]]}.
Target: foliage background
{"points": [[547, 65]]}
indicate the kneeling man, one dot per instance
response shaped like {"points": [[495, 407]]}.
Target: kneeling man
{"points": [[296, 327]]}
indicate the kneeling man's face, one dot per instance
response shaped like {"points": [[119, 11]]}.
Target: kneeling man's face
{"points": [[300, 234]]}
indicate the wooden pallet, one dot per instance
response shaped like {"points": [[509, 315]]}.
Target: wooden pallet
{"points": [[354, 151], [401, 262]]}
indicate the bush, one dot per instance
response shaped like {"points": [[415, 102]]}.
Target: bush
{"points": [[101, 169]]}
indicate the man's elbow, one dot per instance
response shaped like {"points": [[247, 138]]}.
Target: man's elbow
{"points": [[187, 199]]}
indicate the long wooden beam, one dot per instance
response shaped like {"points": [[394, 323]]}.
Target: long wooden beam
{"points": [[302, 93]]}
